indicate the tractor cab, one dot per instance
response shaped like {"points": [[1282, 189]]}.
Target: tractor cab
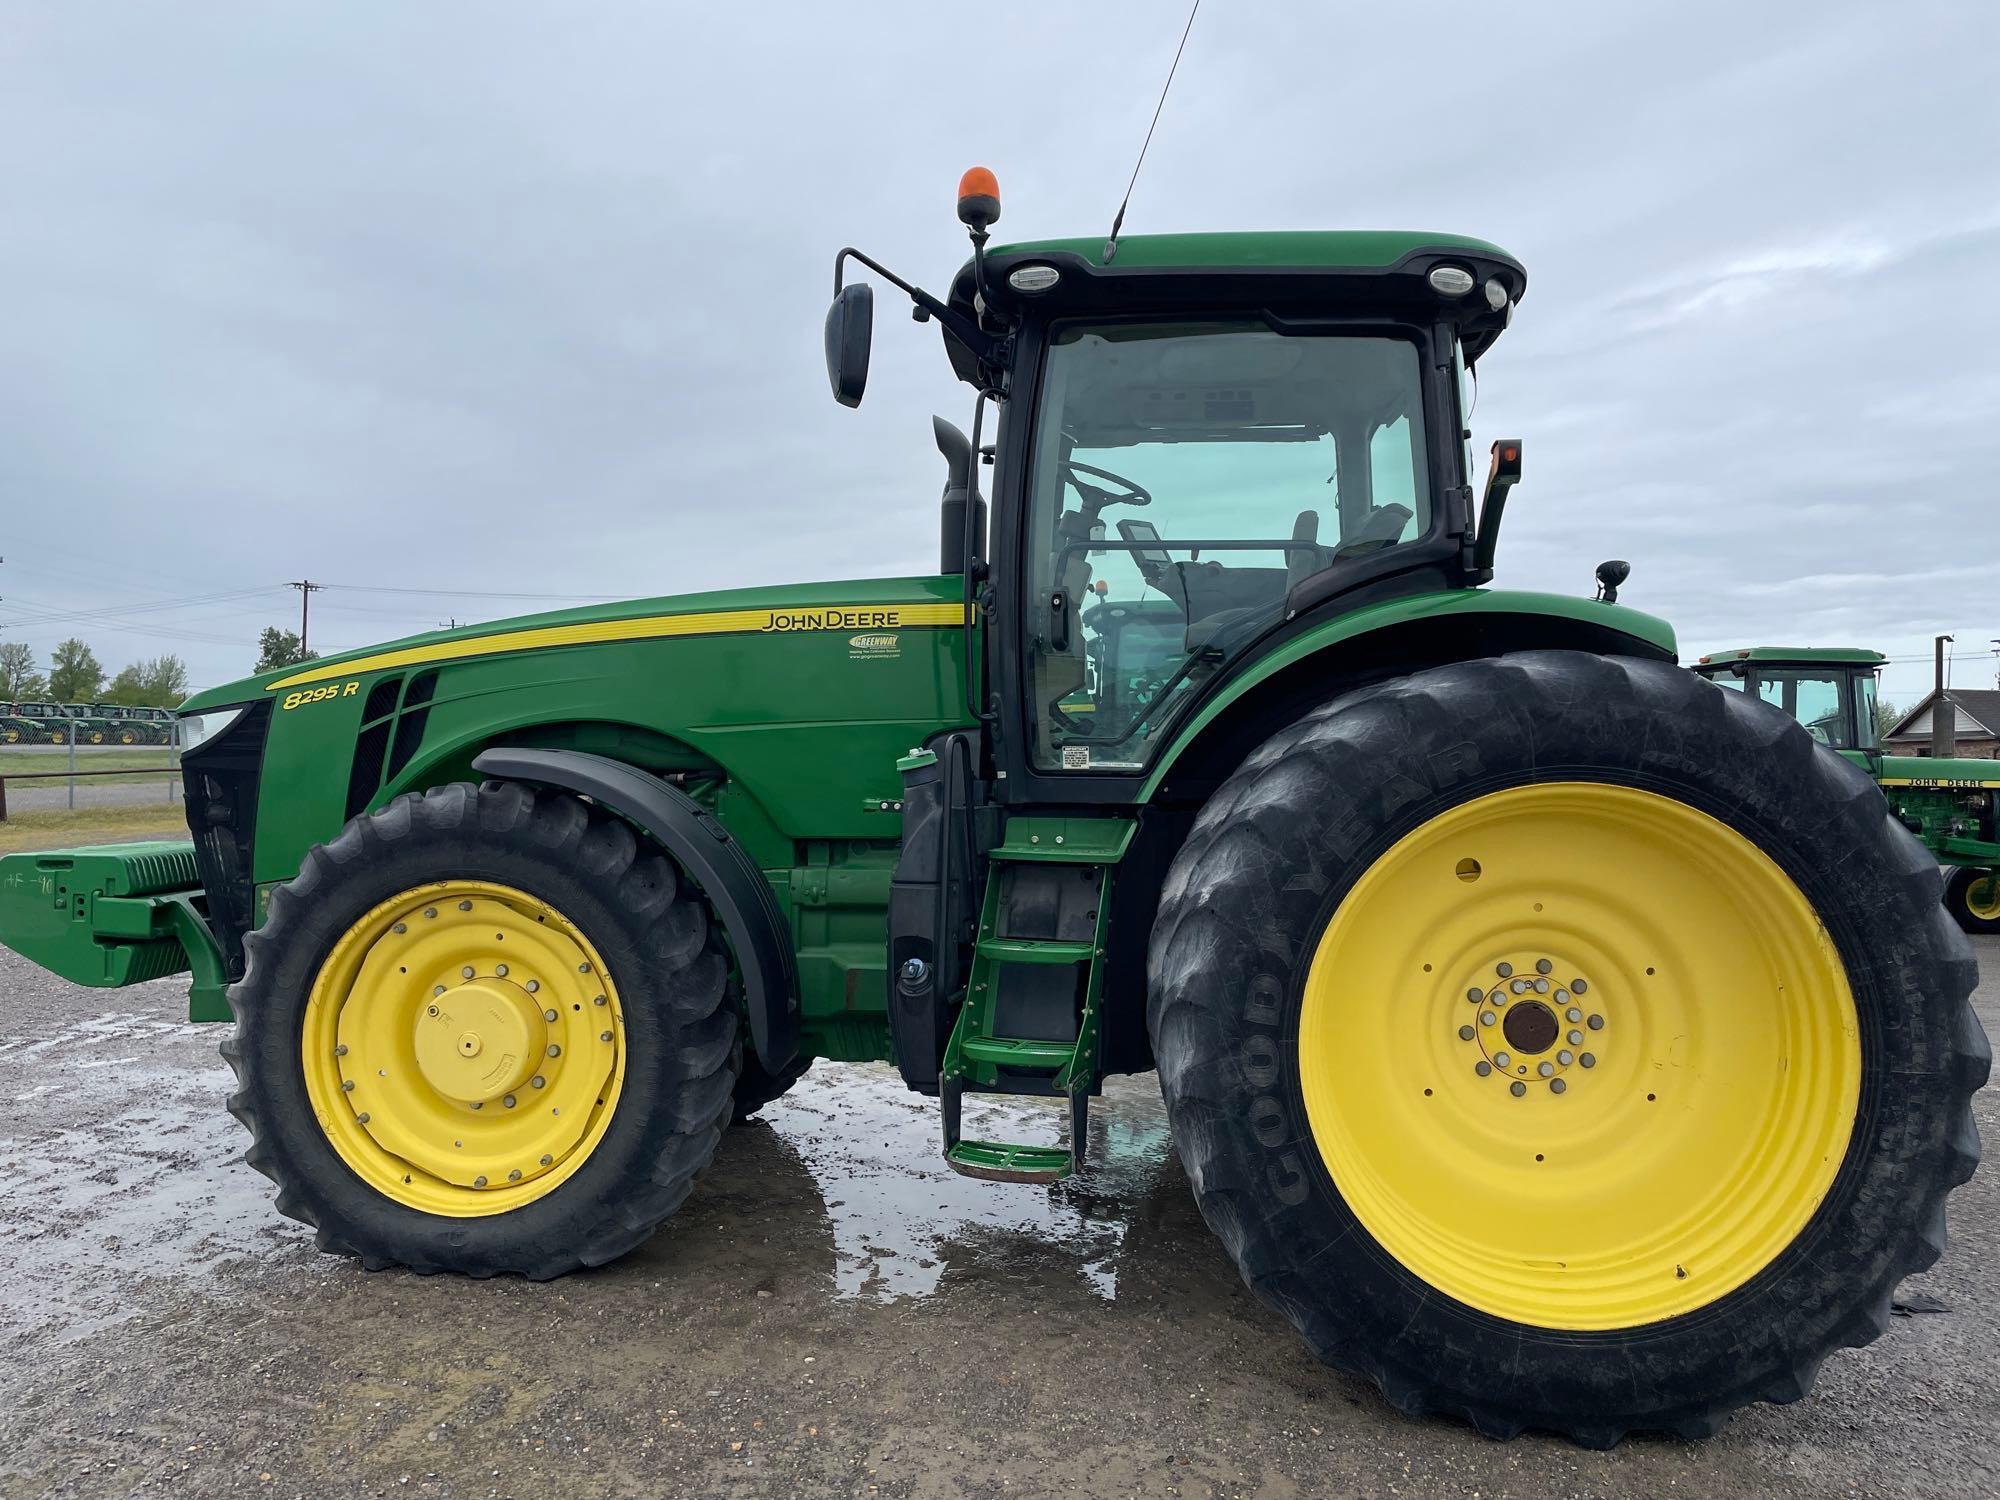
{"points": [[1204, 444], [1830, 690]]}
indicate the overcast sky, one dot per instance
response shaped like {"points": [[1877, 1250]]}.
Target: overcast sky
{"points": [[508, 298]]}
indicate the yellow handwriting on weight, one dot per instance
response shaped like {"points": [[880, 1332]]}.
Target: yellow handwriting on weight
{"points": [[321, 694]]}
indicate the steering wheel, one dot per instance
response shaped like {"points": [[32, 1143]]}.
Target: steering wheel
{"points": [[1096, 497]]}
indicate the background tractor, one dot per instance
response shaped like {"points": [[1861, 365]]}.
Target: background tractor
{"points": [[40, 723], [1947, 803], [1553, 1036]]}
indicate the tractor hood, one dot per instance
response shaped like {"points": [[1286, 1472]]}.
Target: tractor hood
{"points": [[1927, 771], [857, 605]]}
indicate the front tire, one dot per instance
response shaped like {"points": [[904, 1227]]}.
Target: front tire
{"points": [[1973, 898], [1394, 1129], [483, 1030]]}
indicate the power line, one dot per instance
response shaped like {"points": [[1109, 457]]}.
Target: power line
{"points": [[385, 588]]}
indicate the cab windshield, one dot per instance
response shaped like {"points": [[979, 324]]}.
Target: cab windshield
{"points": [[1186, 476]]}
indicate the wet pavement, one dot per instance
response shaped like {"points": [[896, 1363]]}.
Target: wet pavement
{"points": [[832, 1312]]}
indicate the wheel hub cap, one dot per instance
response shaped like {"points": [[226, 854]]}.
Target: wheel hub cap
{"points": [[463, 1048], [1590, 1089]]}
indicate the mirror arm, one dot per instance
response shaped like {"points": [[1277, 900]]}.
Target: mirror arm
{"points": [[980, 344]]}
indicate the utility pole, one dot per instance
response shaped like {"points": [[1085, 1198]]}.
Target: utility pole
{"points": [[307, 588], [1944, 728]]}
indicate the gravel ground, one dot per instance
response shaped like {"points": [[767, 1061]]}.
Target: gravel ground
{"points": [[832, 1312]]}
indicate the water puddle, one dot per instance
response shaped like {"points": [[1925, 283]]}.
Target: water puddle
{"points": [[903, 1221]]}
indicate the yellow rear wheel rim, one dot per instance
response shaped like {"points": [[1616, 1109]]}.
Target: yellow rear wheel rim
{"points": [[463, 1048], [1982, 897], [1579, 1056]]}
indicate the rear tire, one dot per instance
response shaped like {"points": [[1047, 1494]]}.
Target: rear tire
{"points": [[557, 877], [1250, 954], [1973, 898]]}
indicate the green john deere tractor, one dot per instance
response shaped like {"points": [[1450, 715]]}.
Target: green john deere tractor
{"points": [[1557, 1038], [1947, 803], [40, 723]]}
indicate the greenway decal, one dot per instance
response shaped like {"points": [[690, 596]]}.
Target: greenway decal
{"points": [[871, 619]]}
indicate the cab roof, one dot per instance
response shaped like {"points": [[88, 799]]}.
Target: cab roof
{"points": [[1801, 655], [1330, 271]]}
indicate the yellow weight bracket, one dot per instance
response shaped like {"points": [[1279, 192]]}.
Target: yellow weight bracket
{"points": [[463, 1048], [1579, 1056]]}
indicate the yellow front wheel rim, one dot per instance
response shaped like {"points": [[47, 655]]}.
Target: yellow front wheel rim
{"points": [[1579, 1056], [463, 1048], [1982, 897]]}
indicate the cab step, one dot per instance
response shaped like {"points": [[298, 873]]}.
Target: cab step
{"points": [[1029, 1021], [998, 1162]]}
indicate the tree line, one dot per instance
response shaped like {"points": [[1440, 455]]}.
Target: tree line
{"points": [[75, 675]]}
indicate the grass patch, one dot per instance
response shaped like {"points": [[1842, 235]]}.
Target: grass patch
{"points": [[91, 825], [18, 760]]}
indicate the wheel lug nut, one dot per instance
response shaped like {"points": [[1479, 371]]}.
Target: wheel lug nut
{"points": [[1465, 1033], [347, 1085], [515, 1175], [467, 971], [533, 985], [465, 906], [1588, 1059], [1503, 970], [583, 968], [1517, 1088], [604, 1036], [362, 1118], [430, 911], [1557, 1086], [1482, 1067], [599, 1000], [1541, 986], [479, 1182], [1575, 1037], [1562, 997], [1475, 996], [1487, 1018], [400, 927], [554, 1050], [537, 1081], [1574, 1014], [1518, 986], [501, 970], [1546, 1069], [340, 1050], [1501, 1059], [548, 1015], [508, 1101], [1577, 986], [476, 1104], [437, 989], [1597, 1023], [547, 1159], [1542, 966], [1565, 1057]]}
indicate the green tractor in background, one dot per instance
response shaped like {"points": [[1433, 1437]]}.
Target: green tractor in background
{"points": [[88, 726], [38, 724], [121, 724], [1950, 804], [1547, 1033]]}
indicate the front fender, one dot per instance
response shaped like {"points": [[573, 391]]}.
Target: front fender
{"points": [[703, 848]]}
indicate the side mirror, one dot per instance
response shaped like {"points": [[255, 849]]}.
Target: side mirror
{"points": [[850, 327]]}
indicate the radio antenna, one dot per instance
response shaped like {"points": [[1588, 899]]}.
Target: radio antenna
{"points": [[1118, 221]]}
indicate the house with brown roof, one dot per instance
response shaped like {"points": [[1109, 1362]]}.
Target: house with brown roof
{"points": [[1975, 722]]}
